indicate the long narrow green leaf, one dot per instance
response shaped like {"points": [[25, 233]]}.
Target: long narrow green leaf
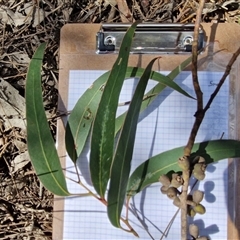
{"points": [[81, 118], [84, 112], [150, 171], [121, 166], [102, 140], [173, 74], [164, 81], [41, 147]]}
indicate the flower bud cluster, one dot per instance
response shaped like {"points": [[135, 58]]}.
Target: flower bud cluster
{"points": [[170, 187]]}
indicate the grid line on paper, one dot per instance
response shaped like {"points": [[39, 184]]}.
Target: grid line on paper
{"points": [[165, 125]]}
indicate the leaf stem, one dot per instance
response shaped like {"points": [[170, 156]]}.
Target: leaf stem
{"points": [[103, 201]]}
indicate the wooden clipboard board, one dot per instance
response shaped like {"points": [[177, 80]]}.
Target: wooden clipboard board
{"points": [[77, 51]]}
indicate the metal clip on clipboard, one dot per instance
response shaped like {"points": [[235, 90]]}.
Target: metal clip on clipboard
{"points": [[151, 38]]}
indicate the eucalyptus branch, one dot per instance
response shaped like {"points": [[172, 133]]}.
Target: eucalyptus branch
{"points": [[199, 116]]}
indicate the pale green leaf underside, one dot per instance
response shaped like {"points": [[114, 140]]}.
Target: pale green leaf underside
{"points": [[150, 171]]}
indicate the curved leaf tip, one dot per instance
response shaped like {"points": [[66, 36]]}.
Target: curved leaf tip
{"points": [[41, 146]]}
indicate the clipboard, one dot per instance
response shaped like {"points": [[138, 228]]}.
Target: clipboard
{"points": [[77, 52]]}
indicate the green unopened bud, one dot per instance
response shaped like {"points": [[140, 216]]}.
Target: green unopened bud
{"points": [[191, 212], [183, 163], [200, 209], [193, 230]]}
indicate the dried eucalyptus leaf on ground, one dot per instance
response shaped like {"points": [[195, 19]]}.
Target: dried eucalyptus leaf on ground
{"points": [[12, 96], [19, 162], [12, 107], [37, 15], [10, 17], [11, 118], [21, 146], [20, 57]]}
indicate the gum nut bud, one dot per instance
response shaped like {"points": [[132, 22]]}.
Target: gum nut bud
{"points": [[191, 203], [183, 163], [177, 202], [172, 192], [191, 212], [198, 167], [176, 181], [199, 175], [195, 160], [201, 160], [200, 209], [204, 166], [164, 189], [202, 238], [164, 180], [198, 159], [197, 196], [193, 230]]}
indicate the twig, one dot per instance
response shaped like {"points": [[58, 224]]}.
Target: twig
{"points": [[222, 80], [197, 88], [194, 131], [199, 116]]}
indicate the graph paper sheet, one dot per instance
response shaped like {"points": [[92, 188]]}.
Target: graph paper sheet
{"points": [[165, 125]]}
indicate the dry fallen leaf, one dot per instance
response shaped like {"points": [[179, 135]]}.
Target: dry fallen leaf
{"points": [[37, 14], [13, 18], [21, 146], [12, 107], [12, 96], [19, 162]]}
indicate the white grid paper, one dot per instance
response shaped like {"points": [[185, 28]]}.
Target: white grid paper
{"points": [[165, 125]]}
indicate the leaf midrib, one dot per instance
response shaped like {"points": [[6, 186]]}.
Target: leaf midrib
{"points": [[38, 128]]}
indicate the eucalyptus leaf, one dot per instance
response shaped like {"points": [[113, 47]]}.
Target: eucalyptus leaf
{"points": [[102, 139], [164, 81], [121, 165], [173, 74], [82, 115], [150, 171], [41, 146]]}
